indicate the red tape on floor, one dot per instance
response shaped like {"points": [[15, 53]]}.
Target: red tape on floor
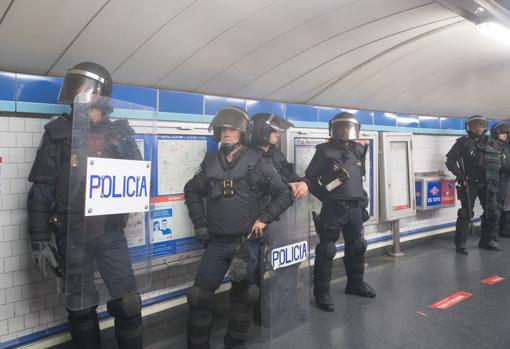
{"points": [[492, 280], [451, 301]]}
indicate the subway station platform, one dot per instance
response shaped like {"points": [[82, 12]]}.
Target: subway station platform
{"points": [[477, 315]]}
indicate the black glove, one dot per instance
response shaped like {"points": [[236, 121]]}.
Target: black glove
{"points": [[44, 252], [240, 263], [202, 234], [365, 216]]}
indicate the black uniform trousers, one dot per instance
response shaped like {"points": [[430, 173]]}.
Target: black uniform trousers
{"points": [[107, 253], [349, 221], [214, 265], [490, 217], [503, 228]]}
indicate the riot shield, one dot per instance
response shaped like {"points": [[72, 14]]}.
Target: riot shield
{"points": [[108, 252], [285, 285]]}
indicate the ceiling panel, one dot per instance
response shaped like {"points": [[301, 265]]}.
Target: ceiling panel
{"points": [[246, 37], [372, 78], [304, 38], [333, 59], [185, 35], [118, 30], [452, 71], [34, 34], [4, 4]]}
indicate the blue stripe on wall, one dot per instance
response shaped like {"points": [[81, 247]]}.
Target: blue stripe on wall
{"points": [[38, 94], [137, 95], [39, 89], [7, 86], [181, 102]]}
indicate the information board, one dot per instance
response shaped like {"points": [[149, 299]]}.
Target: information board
{"points": [[175, 160]]}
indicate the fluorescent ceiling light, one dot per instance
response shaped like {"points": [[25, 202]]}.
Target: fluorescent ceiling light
{"points": [[495, 30]]}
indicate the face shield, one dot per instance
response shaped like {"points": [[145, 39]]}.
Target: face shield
{"points": [[80, 82], [277, 124], [232, 118], [345, 130]]}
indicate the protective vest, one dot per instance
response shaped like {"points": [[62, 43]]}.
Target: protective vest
{"points": [[482, 160], [505, 161], [233, 200], [351, 159], [278, 160]]}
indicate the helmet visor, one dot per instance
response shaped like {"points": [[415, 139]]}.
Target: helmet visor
{"points": [[344, 130], [502, 128], [230, 118], [75, 85], [278, 124]]}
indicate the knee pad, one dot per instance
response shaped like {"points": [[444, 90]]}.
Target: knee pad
{"points": [[494, 215], [125, 307], [247, 294], [357, 247], [326, 250], [200, 298]]}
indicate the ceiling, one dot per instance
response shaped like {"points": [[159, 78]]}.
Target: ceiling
{"points": [[410, 56]]}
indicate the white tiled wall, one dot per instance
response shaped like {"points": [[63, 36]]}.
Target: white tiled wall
{"points": [[30, 304]]}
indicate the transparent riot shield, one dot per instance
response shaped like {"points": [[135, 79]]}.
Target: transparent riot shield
{"points": [[285, 285], [108, 252]]}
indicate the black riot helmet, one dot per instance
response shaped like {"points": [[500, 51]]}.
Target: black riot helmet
{"points": [[344, 127], [499, 128], [477, 125], [85, 78], [231, 117], [264, 124]]}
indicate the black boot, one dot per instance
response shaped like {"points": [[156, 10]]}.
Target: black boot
{"points": [[355, 270], [322, 279], [84, 328], [489, 245], [243, 296], [461, 250], [323, 299]]}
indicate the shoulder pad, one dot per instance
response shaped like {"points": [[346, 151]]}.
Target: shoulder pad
{"points": [[359, 148], [123, 125], [323, 146], [59, 128], [278, 155]]}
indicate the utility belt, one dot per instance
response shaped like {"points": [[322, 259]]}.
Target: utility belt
{"points": [[227, 239], [59, 223], [348, 204]]}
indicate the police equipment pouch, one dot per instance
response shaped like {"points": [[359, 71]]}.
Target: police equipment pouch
{"points": [[365, 215], [240, 263], [317, 222], [228, 188], [492, 164], [336, 175]]}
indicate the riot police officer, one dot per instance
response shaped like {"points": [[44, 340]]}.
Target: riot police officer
{"points": [[499, 132], [475, 159], [267, 129], [233, 181], [335, 174], [49, 201]]}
